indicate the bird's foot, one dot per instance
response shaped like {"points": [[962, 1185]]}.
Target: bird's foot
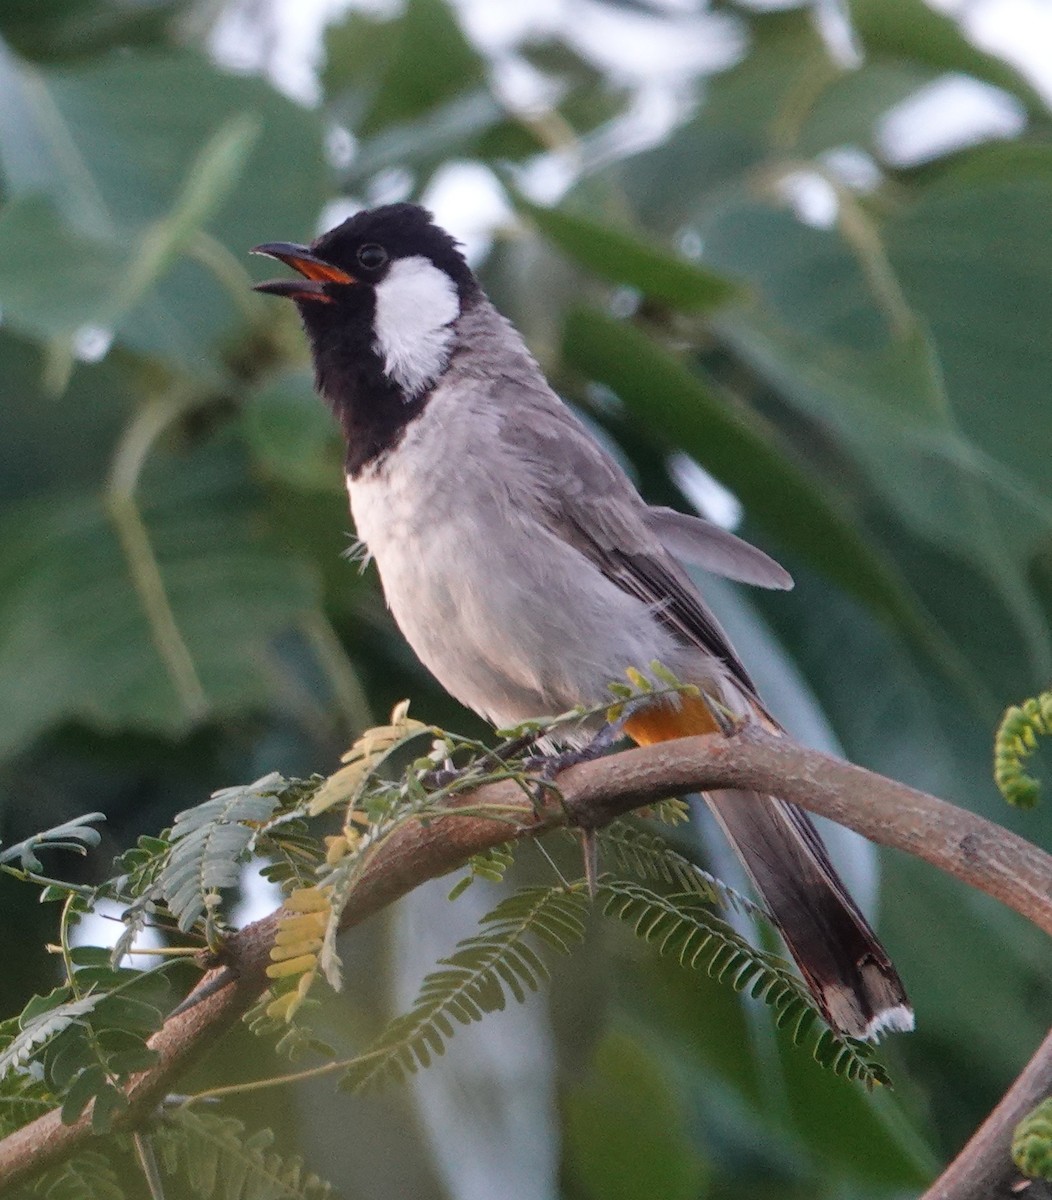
{"points": [[442, 777], [548, 766]]}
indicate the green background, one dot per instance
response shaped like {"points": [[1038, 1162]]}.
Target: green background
{"points": [[176, 616]]}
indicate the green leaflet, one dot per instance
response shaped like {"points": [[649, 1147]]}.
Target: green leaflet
{"points": [[682, 926], [626, 257], [217, 1157], [208, 843], [42, 1020], [474, 980], [1015, 741], [1032, 1142], [77, 835], [647, 856], [89, 1174], [87, 1038]]}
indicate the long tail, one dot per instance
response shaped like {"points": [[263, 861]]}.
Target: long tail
{"points": [[847, 969]]}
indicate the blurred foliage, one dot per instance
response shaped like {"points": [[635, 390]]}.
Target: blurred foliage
{"points": [[857, 349], [81, 1044]]}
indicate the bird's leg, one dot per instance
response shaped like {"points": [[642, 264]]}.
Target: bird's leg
{"points": [[551, 764], [727, 722], [590, 853]]}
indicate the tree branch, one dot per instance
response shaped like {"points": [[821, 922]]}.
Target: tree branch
{"points": [[976, 851]]}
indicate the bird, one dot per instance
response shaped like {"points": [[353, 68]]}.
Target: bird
{"points": [[525, 569]]}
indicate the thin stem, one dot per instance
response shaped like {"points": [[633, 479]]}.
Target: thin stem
{"points": [[46, 881], [346, 686], [227, 270], [64, 948], [132, 452], [148, 1162], [978, 852], [554, 865], [166, 952], [260, 1085], [982, 1167]]}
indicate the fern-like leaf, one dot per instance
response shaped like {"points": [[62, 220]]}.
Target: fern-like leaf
{"points": [[682, 925], [474, 980], [294, 965], [42, 1020], [364, 758], [1015, 742], [1032, 1142], [207, 845], [76, 834], [649, 858], [219, 1160], [23, 1097], [89, 1174]]}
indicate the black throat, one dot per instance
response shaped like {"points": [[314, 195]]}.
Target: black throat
{"points": [[374, 411]]}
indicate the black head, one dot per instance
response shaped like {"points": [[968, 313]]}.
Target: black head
{"points": [[379, 296], [359, 254]]}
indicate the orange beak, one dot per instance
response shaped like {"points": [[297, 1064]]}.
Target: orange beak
{"points": [[316, 273]]}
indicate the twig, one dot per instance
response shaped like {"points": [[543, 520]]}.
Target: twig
{"points": [[982, 854], [985, 1164]]}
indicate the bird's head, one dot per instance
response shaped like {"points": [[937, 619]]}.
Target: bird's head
{"points": [[387, 282]]}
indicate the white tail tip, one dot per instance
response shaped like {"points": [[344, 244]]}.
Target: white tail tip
{"points": [[898, 1019]]}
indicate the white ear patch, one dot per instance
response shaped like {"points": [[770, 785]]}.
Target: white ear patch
{"points": [[416, 305]]}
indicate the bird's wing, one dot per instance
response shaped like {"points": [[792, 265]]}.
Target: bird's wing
{"points": [[588, 501], [703, 544]]}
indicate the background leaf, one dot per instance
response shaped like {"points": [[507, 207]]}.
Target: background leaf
{"points": [[700, 228]]}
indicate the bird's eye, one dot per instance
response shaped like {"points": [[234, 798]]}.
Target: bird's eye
{"points": [[372, 257]]}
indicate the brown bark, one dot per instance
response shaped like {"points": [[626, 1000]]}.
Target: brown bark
{"points": [[976, 851]]}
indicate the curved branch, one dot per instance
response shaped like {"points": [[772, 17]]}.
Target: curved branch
{"points": [[980, 853], [984, 1166]]}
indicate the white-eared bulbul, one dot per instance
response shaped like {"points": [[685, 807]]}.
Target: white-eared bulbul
{"points": [[524, 568]]}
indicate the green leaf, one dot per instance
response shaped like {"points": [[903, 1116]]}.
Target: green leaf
{"points": [[626, 1129], [76, 835], [55, 279], [89, 1174], [973, 258], [292, 436], [471, 125], [42, 1020], [638, 852], [622, 256], [843, 336], [75, 632], [217, 1157], [110, 1102], [57, 29], [57, 444], [848, 110], [85, 1087], [683, 926], [473, 981], [913, 30], [208, 843], [1032, 1142], [112, 144], [406, 67], [744, 454]]}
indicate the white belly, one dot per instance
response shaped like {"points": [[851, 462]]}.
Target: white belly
{"points": [[511, 620]]}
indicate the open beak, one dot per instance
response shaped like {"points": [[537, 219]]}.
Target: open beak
{"points": [[316, 273]]}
